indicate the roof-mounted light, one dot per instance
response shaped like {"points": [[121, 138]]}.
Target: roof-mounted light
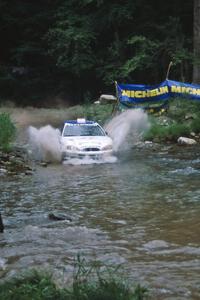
{"points": [[81, 120]]}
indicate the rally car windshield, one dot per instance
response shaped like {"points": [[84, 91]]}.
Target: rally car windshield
{"points": [[83, 130]]}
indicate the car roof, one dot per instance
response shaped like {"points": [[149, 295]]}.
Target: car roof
{"points": [[80, 122]]}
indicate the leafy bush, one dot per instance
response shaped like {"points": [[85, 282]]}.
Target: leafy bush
{"points": [[170, 132], [33, 285], [180, 107], [176, 130], [7, 131], [195, 124], [182, 118]]}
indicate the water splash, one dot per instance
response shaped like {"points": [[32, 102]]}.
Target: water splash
{"points": [[45, 143], [88, 161], [45, 146], [127, 128]]}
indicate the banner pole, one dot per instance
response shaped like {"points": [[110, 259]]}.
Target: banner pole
{"points": [[116, 91], [168, 69], [117, 96]]}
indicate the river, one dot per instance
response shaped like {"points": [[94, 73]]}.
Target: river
{"points": [[142, 212]]}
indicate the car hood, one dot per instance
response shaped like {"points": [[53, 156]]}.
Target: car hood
{"points": [[81, 141]]}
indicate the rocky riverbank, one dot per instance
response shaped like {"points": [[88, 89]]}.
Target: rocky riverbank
{"points": [[15, 162]]}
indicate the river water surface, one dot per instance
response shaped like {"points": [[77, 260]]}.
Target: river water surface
{"points": [[142, 212]]}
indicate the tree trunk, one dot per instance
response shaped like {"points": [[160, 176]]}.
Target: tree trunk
{"points": [[196, 45]]}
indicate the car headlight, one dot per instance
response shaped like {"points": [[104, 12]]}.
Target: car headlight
{"points": [[71, 148], [107, 147]]}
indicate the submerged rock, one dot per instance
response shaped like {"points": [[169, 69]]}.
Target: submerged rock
{"points": [[1, 224], [43, 164], [3, 171], [59, 217], [156, 244]]}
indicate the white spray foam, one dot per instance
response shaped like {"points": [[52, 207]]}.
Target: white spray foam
{"points": [[88, 161], [45, 143], [126, 128]]}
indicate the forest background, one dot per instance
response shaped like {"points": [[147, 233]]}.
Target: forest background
{"points": [[71, 51]]}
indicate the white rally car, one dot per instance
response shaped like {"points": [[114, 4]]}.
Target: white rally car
{"points": [[81, 138]]}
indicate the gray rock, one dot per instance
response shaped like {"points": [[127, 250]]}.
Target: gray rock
{"points": [[192, 134], [189, 117], [28, 172], [186, 141], [59, 217], [3, 171], [107, 99], [156, 244], [43, 164]]}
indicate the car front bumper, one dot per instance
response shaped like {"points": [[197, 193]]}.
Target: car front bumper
{"points": [[86, 154]]}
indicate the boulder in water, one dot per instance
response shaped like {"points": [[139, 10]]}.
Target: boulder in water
{"points": [[1, 224], [59, 217]]}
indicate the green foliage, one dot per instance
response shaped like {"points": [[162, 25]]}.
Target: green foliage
{"points": [[33, 285], [89, 283], [71, 42], [195, 124], [182, 118], [170, 133], [143, 50], [67, 47], [7, 131], [180, 108]]}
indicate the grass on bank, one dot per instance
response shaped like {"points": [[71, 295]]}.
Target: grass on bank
{"points": [[7, 132], [89, 283], [182, 118], [167, 133]]}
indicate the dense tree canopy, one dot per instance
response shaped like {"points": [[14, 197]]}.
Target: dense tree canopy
{"points": [[76, 48]]}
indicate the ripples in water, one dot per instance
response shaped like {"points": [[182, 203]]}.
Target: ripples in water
{"points": [[141, 212]]}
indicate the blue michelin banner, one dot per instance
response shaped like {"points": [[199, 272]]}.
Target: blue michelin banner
{"points": [[131, 94]]}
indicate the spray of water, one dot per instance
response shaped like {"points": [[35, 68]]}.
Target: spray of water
{"points": [[45, 143], [88, 161], [126, 128]]}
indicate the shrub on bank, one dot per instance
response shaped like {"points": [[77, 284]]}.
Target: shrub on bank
{"points": [[195, 124], [88, 284], [170, 132], [7, 131], [35, 286], [182, 118], [179, 108]]}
